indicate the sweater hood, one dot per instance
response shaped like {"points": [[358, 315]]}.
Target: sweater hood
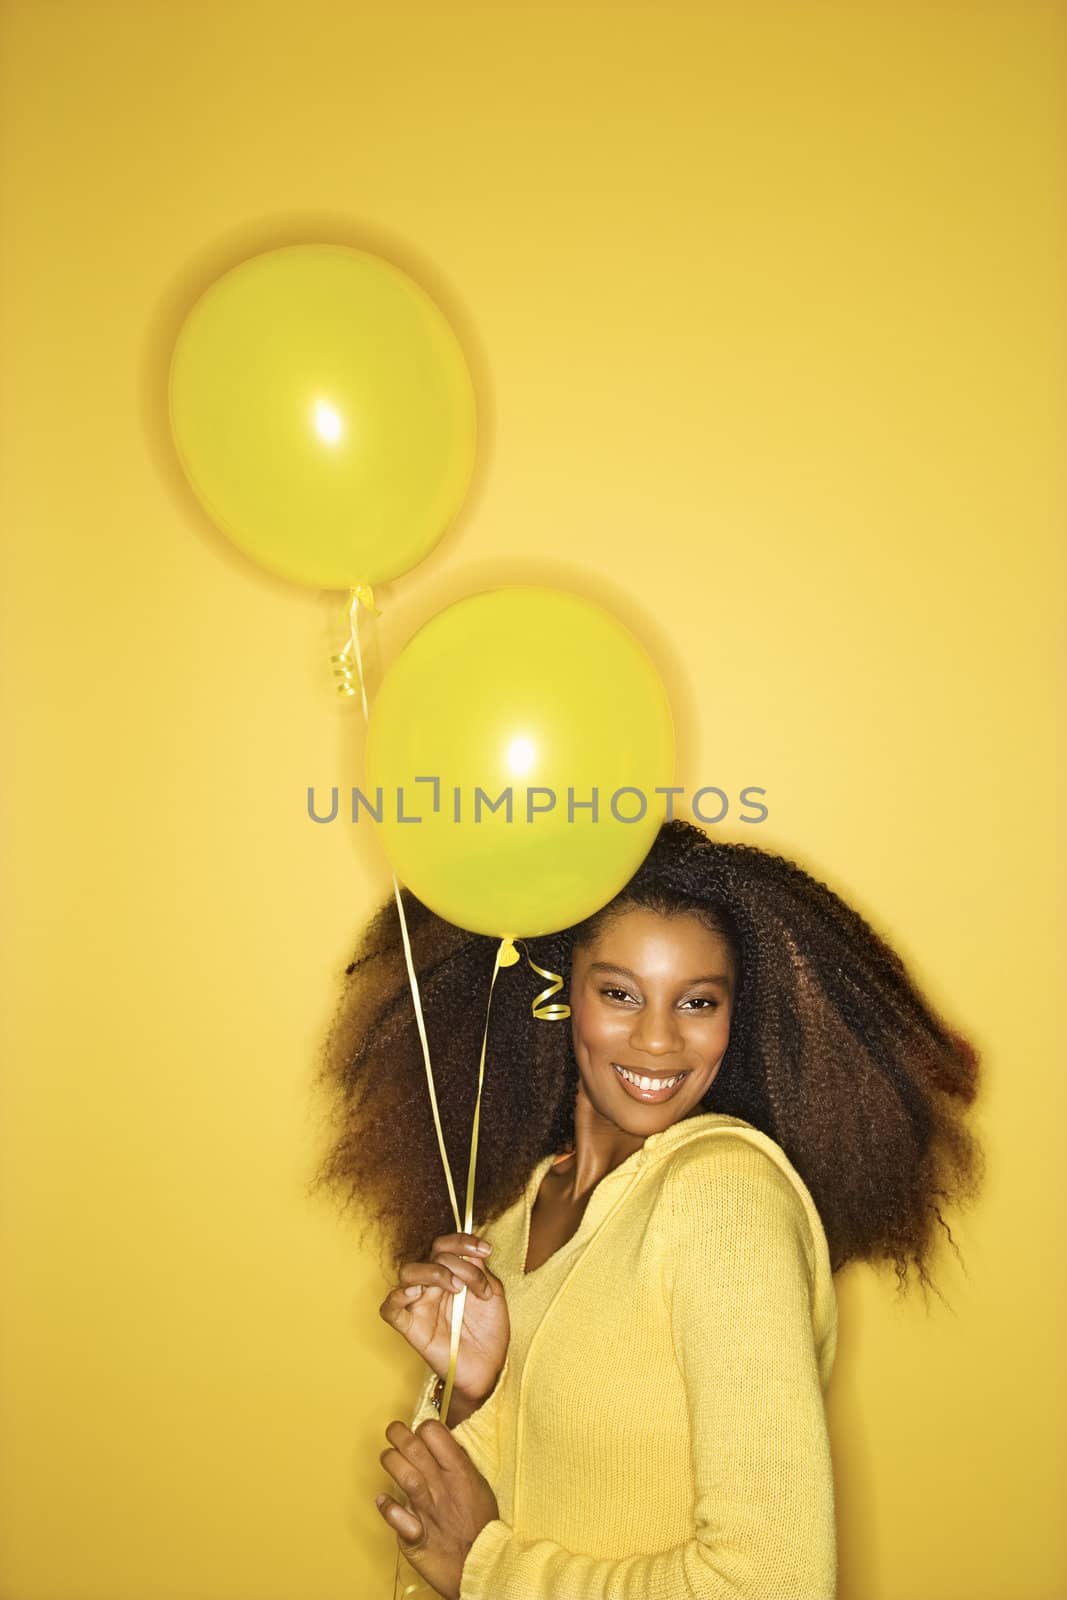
{"points": [[660, 1147]]}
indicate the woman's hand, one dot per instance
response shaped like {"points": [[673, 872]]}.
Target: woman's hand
{"points": [[450, 1502], [420, 1309]]}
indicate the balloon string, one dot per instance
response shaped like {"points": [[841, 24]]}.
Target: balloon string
{"points": [[506, 956], [420, 1023], [543, 1008], [362, 594], [343, 661]]}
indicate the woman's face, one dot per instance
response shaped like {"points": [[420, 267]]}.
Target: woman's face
{"points": [[652, 995]]}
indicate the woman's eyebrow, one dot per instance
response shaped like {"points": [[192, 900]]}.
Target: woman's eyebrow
{"points": [[607, 966]]}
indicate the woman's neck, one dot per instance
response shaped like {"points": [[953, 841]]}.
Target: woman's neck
{"points": [[599, 1147]]}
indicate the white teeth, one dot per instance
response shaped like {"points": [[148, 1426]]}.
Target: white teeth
{"points": [[648, 1083]]}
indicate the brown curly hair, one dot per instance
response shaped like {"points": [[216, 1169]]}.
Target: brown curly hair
{"points": [[833, 1053]]}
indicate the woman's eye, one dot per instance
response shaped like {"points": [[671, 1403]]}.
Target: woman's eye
{"points": [[699, 1000]]}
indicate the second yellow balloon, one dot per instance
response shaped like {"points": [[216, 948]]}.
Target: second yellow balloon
{"points": [[528, 732]]}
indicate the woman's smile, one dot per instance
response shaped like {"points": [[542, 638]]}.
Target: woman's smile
{"points": [[648, 1086]]}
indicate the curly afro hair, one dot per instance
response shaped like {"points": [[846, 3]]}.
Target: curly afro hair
{"points": [[833, 1053]]}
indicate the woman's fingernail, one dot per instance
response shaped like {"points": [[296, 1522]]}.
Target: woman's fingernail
{"points": [[412, 1290], [457, 1283], [484, 1246], [379, 1501]]}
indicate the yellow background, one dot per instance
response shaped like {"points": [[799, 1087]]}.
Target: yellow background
{"points": [[762, 305]]}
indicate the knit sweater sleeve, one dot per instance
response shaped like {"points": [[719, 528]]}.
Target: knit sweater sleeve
{"points": [[478, 1433], [738, 1278]]}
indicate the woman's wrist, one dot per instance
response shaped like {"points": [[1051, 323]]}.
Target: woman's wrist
{"points": [[459, 1409], [461, 1404]]}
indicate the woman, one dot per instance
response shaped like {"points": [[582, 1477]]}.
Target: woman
{"points": [[751, 1093]]}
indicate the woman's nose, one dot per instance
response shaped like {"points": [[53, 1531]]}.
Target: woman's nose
{"points": [[656, 1032]]}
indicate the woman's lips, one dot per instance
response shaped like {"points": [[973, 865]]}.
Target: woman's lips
{"points": [[649, 1096]]}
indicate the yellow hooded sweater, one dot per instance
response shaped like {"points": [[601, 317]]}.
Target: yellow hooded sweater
{"points": [[658, 1431]]}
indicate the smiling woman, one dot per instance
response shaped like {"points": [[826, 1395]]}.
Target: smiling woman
{"points": [[638, 1018], [751, 1093]]}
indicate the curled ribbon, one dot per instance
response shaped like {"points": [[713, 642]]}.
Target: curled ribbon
{"points": [[542, 1010], [543, 1007], [363, 595]]}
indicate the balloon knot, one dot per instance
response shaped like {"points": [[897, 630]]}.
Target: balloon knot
{"points": [[508, 955]]}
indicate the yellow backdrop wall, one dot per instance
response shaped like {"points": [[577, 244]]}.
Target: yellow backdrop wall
{"points": [[762, 304]]}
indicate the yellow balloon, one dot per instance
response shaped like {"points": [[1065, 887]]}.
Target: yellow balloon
{"points": [[535, 693], [324, 414]]}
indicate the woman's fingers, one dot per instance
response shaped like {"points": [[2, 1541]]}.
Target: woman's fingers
{"points": [[405, 1475], [448, 1272], [429, 1273], [398, 1300], [447, 1452], [401, 1520], [472, 1274], [414, 1448], [461, 1244]]}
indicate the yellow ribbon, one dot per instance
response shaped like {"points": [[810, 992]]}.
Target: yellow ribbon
{"points": [[544, 1008], [363, 595], [558, 1010], [506, 956]]}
